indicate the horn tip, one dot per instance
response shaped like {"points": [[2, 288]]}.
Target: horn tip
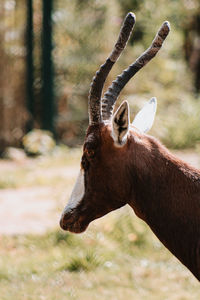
{"points": [[164, 30], [131, 17], [166, 24]]}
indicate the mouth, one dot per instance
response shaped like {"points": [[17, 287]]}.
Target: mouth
{"points": [[71, 225]]}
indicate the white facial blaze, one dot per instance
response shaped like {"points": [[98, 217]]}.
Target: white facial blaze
{"points": [[77, 192]]}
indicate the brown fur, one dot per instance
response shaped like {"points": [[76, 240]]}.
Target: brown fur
{"points": [[163, 190]]}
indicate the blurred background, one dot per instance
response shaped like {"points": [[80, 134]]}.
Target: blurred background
{"points": [[49, 52]]}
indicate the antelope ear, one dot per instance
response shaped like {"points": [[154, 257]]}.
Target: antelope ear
{"points": [[145, 118], [120, 124]]}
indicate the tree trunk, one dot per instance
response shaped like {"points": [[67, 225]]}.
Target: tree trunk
{"points": [[29, 63], [48, 104]]}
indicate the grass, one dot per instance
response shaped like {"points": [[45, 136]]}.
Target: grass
{"points": [[82, 262], [35, 171], [118, 257], [99, 264]]}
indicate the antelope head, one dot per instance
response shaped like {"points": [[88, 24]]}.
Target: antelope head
{"points": [[103, 183]]}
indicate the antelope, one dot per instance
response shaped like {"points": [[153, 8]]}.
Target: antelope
{"points": [[121, 164]]}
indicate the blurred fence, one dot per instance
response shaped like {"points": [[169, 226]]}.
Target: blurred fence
{"points": [[13, 113], [50, 50], [34, 91], [26, 69]]}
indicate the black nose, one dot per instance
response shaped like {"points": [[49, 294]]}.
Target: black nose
{"points": [[62, 223], [66, 220]]}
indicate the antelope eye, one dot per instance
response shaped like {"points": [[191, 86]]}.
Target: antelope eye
{"points": [[90, 153]]}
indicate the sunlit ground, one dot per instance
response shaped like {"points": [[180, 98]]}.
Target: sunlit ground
{"points": [[116, 258]]}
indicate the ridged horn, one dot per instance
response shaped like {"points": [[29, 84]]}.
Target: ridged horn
{"points": [[101, 75], [117, 85]]}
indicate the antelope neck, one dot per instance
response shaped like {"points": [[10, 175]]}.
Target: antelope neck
{"points": [[166, 195]]}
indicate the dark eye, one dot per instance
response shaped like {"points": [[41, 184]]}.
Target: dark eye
{"points": [[90, 153]]}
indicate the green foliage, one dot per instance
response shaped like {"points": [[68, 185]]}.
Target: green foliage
{"points": [[61, 237], [77, 47], [84, 33], [130, 5], [183, 129], [82, 262], [118, 257], [128, 234], [36, 266]]}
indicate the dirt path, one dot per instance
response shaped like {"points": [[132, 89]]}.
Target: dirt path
{"points": [[34, 209], [27, 210]]}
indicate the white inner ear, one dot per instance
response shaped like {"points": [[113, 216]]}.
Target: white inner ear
{"points": [[145, 118], [120, 124]]}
